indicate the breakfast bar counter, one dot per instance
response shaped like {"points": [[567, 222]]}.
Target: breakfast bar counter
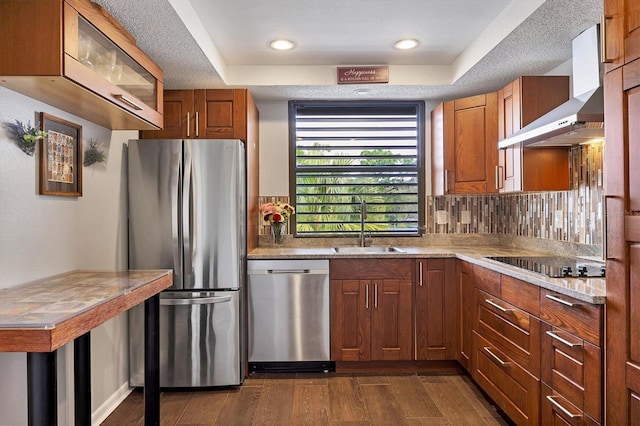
{"points": [[41, 316]]}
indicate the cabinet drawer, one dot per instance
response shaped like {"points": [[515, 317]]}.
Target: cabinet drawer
{"points": [[513, 331], [557, 411], [574, 316], [486, 280], [371, 269], [572, 367], [510, 386], [521, 294]]}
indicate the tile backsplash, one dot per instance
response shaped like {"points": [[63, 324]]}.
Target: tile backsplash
{"points": [[573, 216]]}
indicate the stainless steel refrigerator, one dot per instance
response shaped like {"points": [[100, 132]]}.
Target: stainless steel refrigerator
{"points": [[187, 212]]}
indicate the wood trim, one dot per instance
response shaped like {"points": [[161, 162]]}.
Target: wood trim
{"points": [[398, 366]]}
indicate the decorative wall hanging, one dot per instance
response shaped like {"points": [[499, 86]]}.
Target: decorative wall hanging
{"points": [[60, 157], [94, 154], [26, 135]]}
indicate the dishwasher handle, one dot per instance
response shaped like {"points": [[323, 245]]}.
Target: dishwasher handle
{"points": [[287, 271]]}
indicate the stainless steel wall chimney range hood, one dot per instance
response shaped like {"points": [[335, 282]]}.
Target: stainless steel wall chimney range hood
{"points": [[580, 119]]}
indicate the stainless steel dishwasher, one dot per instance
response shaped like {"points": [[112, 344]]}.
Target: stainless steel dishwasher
{"points": [[288, 315]]}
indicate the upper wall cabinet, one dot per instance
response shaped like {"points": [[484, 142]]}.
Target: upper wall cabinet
{"points": [[531, 169], [204, 114], [73, 55], [464, 145], [621, 33]]}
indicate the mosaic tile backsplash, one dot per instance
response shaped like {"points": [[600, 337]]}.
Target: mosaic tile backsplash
{"points": [[573, 216]]}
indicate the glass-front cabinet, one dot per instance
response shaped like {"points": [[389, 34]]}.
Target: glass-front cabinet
{"points": [[80, 60]]}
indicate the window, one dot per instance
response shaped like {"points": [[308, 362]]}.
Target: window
{"points": [[343, 153]]}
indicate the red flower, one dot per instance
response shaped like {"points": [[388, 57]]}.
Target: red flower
{"points": [[277, 217]]}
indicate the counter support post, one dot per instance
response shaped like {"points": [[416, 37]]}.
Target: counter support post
{"points": [[82, 379], [152, 361], [42, 388]]}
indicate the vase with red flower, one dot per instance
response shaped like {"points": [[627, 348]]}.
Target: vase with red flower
{"points": [[277, 215]]}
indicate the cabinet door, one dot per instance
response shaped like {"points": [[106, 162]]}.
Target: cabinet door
{"points": [[436, 307], [509, 159], [621, 38], [392, 319], [178, 117], [472, 156], [351, 320], [622, 177], [221, 114], [466, 313]]}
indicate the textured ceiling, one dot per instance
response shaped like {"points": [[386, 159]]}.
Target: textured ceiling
{"points": [[538, 45]]}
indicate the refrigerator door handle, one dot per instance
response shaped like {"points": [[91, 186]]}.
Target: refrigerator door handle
{"points": [[187, 210], [196, 300], [176, 172]]}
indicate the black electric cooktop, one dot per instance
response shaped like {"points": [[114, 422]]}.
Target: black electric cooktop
{"points": [[556, 267]]}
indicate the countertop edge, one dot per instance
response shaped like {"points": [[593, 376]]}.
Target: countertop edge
{"points": [[594, 288]]}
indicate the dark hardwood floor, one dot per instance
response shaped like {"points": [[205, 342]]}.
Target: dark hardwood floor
{"points": [[323, 399]]}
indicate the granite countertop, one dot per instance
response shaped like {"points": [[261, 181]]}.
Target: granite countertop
{"points": [[590, 290]]}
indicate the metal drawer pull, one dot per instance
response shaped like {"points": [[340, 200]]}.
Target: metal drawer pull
{"points": [[498, 307], [188, 123], [366, 296], [127, 101], [487, 349], [420, 273], [375, 296], [556, 404], [564, 302], [195, 301], [562, 340]]}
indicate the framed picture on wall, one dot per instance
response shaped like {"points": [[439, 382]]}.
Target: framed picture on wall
{"points": [[60, 157]]}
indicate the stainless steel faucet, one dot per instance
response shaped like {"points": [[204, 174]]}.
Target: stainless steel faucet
{"points": [[362, 242]]}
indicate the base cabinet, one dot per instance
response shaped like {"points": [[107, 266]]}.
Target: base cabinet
{"points": [[536, 353], [436, 306], [466, 313], [510, 386], [371, 309]]}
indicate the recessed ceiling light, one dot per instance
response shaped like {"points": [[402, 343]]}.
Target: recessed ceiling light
{"points": [[362, 91], [282, 44], [406, 44]]}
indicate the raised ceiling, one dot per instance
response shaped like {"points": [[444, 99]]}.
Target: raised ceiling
{"points": [[466, 46]]}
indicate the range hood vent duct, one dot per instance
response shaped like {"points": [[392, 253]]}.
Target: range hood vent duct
{"points": [[580, 119]]}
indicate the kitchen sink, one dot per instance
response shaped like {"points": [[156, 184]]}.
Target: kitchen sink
{"points": [[366, 250]]}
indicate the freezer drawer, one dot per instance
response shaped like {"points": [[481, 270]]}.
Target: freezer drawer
{"points": [[199, 340], [288, 310]]}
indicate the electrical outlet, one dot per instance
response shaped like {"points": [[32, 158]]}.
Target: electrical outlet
{"points": [[558, 219], [441, 217], [465, 217]]}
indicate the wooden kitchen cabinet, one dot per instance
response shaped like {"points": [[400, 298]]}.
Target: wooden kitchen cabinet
{"points": [[73, 55], [464, 145], [621, 38], [506, 332], [531, 169], [436, 309], [466, 313], [371, 309], [622, 201], [205, 114]]}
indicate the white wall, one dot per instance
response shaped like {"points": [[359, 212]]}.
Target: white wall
{"points": [[46, 235], [274, 147]]}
